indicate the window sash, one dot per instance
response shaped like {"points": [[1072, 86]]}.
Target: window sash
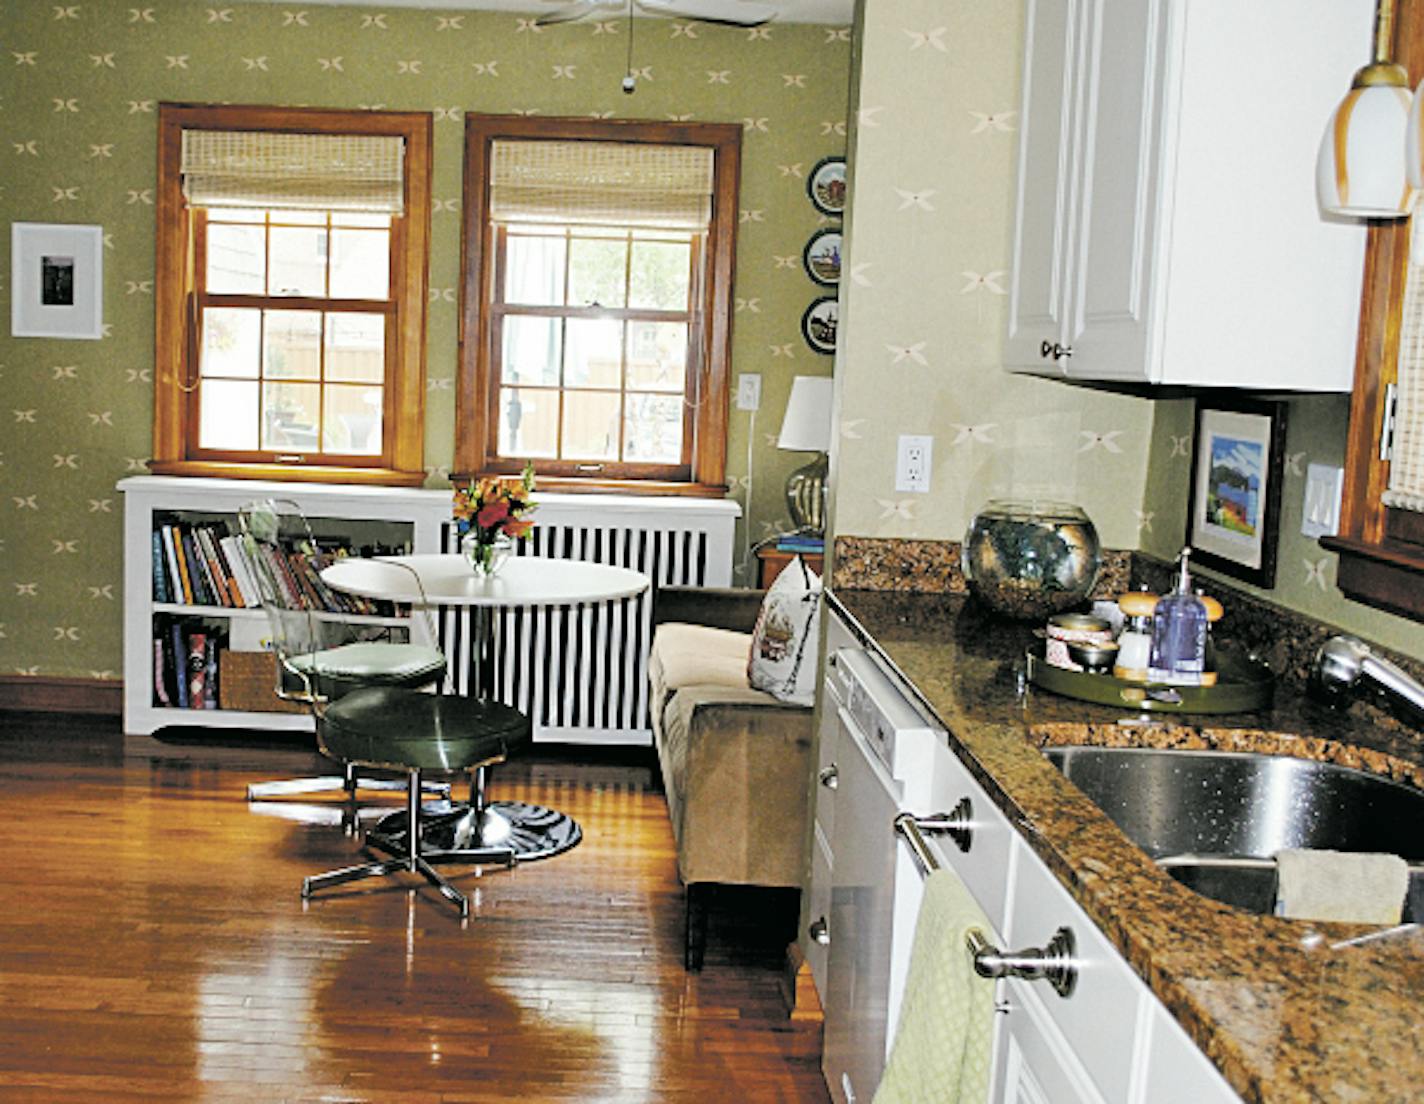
{"points": [[501, 311]]}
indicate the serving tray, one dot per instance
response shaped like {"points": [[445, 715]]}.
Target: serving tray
{"points": [[1242, 685]]}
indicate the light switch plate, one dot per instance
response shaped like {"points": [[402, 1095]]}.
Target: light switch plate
{"points": [[749, 391], [1320, 513]]}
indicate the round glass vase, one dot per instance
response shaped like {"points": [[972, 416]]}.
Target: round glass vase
{"points": [[1028, 560], [486, 557]]}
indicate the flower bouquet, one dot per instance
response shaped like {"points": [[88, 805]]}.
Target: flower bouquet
{"points": [[490, 515]]}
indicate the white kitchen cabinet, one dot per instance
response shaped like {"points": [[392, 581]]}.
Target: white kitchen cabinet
{"points": [[1166, 229]]}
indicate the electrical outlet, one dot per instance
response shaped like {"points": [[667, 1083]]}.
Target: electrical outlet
{"points": [[912, 463], [1320, 513], [748, 391]]}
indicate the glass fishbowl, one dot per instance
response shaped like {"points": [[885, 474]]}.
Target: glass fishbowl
{"points": [[1029, 560]]}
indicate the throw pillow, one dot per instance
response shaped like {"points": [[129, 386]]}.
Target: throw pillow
{"points": [[783, 656]]}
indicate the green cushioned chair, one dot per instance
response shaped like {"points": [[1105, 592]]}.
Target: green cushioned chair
{"points": [[393, 729], [324, 655]]}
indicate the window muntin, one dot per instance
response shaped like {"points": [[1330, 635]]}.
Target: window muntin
{"points": [[274, 377]]}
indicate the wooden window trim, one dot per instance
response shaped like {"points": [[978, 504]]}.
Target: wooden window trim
{"points": [[402, 464], [1381, 550], [475, 432]]}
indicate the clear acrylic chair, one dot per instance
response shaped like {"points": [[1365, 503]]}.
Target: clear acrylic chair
{"points": [[323, 653]]}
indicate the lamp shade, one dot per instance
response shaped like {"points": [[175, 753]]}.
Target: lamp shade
{"points": [[807, 424], [1360, 171], [1414, 142]]}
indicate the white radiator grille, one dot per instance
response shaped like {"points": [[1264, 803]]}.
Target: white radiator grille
{"points": [[580, 672]]}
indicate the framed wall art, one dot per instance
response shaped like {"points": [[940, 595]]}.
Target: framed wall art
{"points": [[827, 185], [818, 324], [1238, 455], [822, 257], [56, 280]]}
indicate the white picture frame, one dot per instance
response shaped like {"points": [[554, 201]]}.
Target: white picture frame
{"points": [[56, 280]]}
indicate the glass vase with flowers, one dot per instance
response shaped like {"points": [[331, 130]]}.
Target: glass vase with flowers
{"points": [[490, 515]]}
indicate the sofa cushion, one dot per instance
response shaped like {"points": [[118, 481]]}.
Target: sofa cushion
{"points": [[783, 649]]}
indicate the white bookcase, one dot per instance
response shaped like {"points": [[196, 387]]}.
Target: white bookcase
{"points": [[403, 515], [579, 672]]}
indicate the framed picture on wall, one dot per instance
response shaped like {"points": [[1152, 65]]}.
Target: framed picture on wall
{"points": [[827, 185], [822, 257], [819, 323], [56, 280], [1238, 455]]}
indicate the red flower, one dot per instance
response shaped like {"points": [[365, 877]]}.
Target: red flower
{"points": [[492, 514]]}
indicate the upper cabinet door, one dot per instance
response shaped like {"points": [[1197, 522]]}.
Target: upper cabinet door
{"points": [[1121, 103], [1166, 228], [1045, 202]]}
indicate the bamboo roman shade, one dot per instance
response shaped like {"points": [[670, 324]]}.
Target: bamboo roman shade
{"points": [[601, 183], [332, 172], [1406, 466]]}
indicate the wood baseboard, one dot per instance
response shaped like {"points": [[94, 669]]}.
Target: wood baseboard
{"points": [[798, 988], [43, 694]]}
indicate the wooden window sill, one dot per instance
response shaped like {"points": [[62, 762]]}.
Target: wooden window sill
{"points": [[289, 473], [572, 485], [1389, 575]]}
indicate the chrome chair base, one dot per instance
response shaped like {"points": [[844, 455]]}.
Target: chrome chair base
{"points": [[410, 855], [456, 833], [350, 782]]}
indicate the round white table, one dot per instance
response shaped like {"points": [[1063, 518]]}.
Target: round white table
{"points": [[457, 832]]}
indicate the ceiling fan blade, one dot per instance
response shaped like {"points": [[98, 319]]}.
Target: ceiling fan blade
{"points": [[732, 14], [567, 14]]}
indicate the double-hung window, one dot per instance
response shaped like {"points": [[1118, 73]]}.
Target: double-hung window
{"points": [[291, 290], [597, 283]]}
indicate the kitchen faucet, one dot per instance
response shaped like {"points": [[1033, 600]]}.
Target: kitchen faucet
{"points": [[1344, 660]]}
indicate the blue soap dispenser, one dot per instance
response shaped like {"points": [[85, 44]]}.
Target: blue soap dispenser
{"points": [[1179, 627]]}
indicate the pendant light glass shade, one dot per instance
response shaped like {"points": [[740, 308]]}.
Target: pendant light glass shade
{"points": [[1360, 171], [1414, 142]]}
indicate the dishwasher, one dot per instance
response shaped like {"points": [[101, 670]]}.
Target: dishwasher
{"points": [[884, 750]]}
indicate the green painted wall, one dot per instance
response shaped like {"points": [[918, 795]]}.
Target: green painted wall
{"points": [[1305, 572], [929, 240], [78, 89]]}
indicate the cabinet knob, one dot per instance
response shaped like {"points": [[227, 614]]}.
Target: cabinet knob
{"points": [[1046, 349], [830, 776], [1052, 963], [820, 931]]}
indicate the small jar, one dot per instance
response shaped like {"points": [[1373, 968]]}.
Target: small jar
{"points": [[1076, 628], [1134, 643]]}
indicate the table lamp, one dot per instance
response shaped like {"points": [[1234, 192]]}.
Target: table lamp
{"points": [[807, 428]]}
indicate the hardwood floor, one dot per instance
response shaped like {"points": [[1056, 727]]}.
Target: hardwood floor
{"points": [[154, 946]]}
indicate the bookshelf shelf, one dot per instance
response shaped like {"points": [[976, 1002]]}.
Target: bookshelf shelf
{"points": [[410, 518]]}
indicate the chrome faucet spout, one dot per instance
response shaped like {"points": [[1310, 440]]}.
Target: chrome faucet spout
{"points": [[1343, 661]]}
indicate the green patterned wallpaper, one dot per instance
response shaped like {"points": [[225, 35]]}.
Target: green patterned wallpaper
{"points": [[79, 85], [929, 228]]}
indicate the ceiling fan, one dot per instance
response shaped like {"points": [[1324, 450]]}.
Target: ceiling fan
{"points": [[734, 13]]}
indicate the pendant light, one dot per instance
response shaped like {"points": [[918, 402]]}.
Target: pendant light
{"points": [[1361, 168]]}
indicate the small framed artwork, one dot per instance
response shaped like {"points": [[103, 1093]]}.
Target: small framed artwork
{"points": [[822, 257], [827, 185], [818, 324], [56, 280], [1237, 460]]}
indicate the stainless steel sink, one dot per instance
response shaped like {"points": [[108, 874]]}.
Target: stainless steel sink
{"points": [[1214, 819]]}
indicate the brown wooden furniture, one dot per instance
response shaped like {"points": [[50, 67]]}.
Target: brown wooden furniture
{"points": [[1381, 550], [771, 561]]}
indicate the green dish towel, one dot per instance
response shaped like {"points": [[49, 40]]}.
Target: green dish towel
{"points": [[945, 1037]]}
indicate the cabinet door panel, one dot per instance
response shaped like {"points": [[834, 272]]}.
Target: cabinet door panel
{"points": [[1044, 211], [1109, 292], [1034, 1063]]}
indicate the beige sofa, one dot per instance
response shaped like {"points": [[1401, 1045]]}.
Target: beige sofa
{"points": [[735, 761]]}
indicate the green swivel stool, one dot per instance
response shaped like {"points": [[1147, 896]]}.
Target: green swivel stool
{"points": [[394, 729]]}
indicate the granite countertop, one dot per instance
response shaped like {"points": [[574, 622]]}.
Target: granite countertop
{"points": [[1283, 1014]]}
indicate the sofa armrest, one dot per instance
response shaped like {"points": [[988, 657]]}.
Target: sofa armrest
{"points": [[717, 607]]}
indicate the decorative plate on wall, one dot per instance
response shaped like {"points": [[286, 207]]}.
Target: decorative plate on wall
{"points": [[818, 324], [822, 257], [827, 185]]}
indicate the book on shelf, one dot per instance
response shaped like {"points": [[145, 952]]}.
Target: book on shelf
{"points": [[185, 663], [160, 569]]}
